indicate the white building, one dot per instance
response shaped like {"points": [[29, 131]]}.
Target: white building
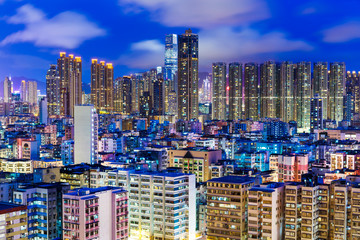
{"points": [[85, 134]]}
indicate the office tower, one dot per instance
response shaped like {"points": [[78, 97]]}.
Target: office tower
{"points": [[266, 211], [237, 187], [336, 91], [158, 97], [235, 91], [316, 113], [303, 95], [43, 111], [85, 134], [287, 83], [122, 95], [31, 92], [269, 90], [101, 213], [320, 84], [154, 212], [13, 221], [44, 202], [102, 86], [195, 161], [251, 86], [23, 91], [145, 104], [70, 73], [53, 90], [171, 60], [353, 86], [219, 91], [8, 89], [188, 67]]}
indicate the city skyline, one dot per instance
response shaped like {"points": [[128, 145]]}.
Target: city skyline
{"points": [[266, 35]]}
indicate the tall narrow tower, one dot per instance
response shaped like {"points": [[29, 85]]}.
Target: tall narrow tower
{"points": [[188, 68], [235, 91], [219, 91], [102, 86], [53, 91], [70, 73], [336, 91]]}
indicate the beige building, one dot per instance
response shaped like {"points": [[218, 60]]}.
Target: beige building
{"points": [[13, 221], [16, 165], [195, 161], [266, 211], [227, 200]]}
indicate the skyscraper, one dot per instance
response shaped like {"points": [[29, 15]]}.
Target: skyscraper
{"points": [[8, 89], [287, 83], [31, 92], [303, 95], [188, 68], [70, 72], [251, 77], [269, 90], [158, 97], [316, 113], [23, 91], [122, 95], [353, 86], [235, 91], [320, 84], [336, 91], [219, 91], [85, 134], [171, 60], [53, 91], [102, 86]]}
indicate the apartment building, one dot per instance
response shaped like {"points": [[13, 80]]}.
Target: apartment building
{"points": [[266, 211], [162, 206], [13, 221], [227, 212], [44, 202], [289, 168], [95, 213], [195, 160]]}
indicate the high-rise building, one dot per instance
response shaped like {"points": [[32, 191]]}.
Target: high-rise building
{"points": [[349, 106], [122, 95], [316, 113], [320, 84], [44, 201], [85, 134], [23, 91], [287, 83], [221, 223], [251, 86], [171, 60], [145, 104], [219, 91], [270, 90], [8, 89], [70, 73], [13, 221], [353, 86], [43, 111], [102, 86], [303, 95], [235, 91], [161, 205], [336, 91], [101, 213], [135, 92], [53, 90], [158, 97], [31, 92], [188, 68]]}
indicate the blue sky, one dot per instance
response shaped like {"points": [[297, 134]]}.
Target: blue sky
{"points": [[131, 33]]}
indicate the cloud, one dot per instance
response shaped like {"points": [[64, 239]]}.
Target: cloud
{"points": [[65, 30], [227, 44], [309, 10], [200, 13], [143, 55], [342, 33]]}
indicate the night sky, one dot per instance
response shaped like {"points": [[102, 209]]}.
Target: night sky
{"points": [[131, 33]]}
